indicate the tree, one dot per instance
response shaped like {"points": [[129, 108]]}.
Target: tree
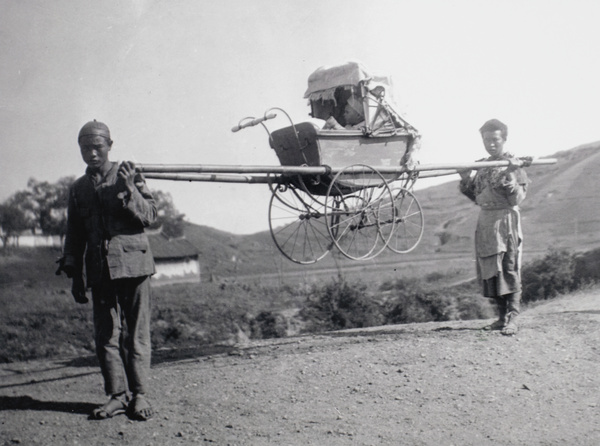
{"points": [[12, 220], [51, 204], [44, 206], [169, 220], [27, 206]]}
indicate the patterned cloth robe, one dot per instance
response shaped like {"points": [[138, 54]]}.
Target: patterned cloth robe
{"points": [[498, 237]]}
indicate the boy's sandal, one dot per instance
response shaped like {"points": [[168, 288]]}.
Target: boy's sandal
{"points": [[140, 409], [510, 330], [497, 325], [112, 408]]}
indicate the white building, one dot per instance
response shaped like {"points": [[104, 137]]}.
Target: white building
{"points": [[176, 260]]}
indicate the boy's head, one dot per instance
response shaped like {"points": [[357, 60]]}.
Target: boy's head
{"points": [[493, 134], [94, 143], [494, 124]]}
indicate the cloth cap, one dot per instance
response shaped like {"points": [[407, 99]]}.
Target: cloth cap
{"points": [[94, 128], [356, 104]]}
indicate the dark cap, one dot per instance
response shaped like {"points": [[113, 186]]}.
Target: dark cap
{"points": [[94, 128]]}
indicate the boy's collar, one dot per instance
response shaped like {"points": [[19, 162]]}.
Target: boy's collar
{"points": [[103, 170]]}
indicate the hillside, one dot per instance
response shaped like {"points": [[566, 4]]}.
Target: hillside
{"points": [[561, 210], [416, 384]]}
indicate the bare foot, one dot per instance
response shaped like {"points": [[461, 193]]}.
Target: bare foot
{"points": [[140, 409]]}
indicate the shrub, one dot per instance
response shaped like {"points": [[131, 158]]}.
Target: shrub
{"points": [[549, 276], [410, 308], [474, 306], [407, 302], [340, 304], [587, 268], [268, 325], [412, 301]]}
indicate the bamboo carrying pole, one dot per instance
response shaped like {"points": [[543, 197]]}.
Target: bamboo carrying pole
{"points": [[273, 174]]}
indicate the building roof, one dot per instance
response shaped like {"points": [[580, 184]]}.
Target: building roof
{"points": [[164, 248]]}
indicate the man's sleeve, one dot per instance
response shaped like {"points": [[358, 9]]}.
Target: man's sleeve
{"points": [[141, 203], [75, 239]]}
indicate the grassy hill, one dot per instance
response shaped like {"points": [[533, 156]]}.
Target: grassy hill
{"points": [[561, 209]]}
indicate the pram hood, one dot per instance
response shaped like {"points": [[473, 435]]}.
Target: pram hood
{"points": [[323, 82]]}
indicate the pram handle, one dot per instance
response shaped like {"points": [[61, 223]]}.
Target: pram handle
{"points": [[252, 123]]}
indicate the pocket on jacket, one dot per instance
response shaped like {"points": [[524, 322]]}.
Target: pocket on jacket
{"points": [[130, 256]]}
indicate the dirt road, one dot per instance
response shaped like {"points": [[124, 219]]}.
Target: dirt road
{"points": [[418, 384]]}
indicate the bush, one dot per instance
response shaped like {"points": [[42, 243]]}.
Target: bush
{"points": [[587, 268], [473, 306], [338, 305], [417, 307], [268, 325], [412, 301], [548, 277]]}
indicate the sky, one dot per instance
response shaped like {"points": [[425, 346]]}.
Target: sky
{"points": [[171, 79]]}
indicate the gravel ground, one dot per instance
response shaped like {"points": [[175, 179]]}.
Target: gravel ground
{"points": [[417, 384]]}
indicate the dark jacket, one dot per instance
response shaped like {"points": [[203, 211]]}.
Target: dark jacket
{"points": [[107, 225]]}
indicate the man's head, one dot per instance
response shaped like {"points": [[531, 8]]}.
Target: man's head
{"points": [[95, 143], [494, 134], [353, 113], [94, 128]]}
